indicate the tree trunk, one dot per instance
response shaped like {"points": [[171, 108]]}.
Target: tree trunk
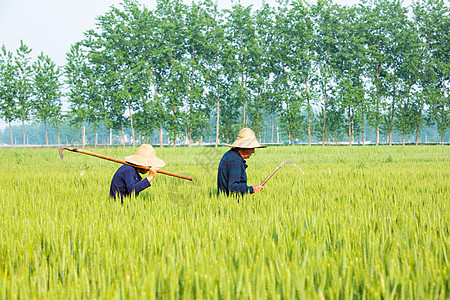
{"points": [[95, 138], [107, 137], [377, 133], [349, 126], [123, 135], [404, 137], [271, 138], [217, 120], [10, 133], [23, 132], [417, 134], [324, 129], [244, 85], [46, 133], [59, 140], [129, 109], [156, 100], [443, 109], [419, 121], [82, 134], [362, 125], [309, 112], [190, 99], [391, 123], [131, 121], [363, 136], [243, 116], [377, 138]]}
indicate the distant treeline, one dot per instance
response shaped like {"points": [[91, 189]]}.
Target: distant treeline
{"points": [[69, 135], [320, 72]]}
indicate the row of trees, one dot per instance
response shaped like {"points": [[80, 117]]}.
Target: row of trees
{"points": [[322, 69]]}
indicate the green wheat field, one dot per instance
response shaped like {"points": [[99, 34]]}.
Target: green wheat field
{"points": [[362, 223]]}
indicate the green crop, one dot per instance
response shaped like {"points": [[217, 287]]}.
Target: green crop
{"points": [[363, 222]]}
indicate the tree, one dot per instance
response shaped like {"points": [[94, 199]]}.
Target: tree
{"points": [[350, 61], [327, 22], [434, 24], [427, 15], [283, 61], [76, 83], [214, 68], [406, 54], [259, 79], [335, 120], [8, 73], [144, 44], [23, 85], [198, 24], [116, 35], [94, 104], [241, 35], [302, 31], [174, 75], [47, 93], [382, 20]]}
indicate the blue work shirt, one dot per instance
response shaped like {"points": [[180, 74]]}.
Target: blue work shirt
{"points": [[231, 177], [127, 180]]}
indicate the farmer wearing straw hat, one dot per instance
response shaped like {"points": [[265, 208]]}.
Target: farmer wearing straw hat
{"points": [[127, 180], [231, 177]]}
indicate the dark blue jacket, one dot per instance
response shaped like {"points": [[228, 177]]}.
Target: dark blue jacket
{"points": [[127, 180], [231, 177]]}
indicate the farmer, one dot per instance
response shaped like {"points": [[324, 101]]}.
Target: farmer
{"points": [[127, 180], [231, 177]]}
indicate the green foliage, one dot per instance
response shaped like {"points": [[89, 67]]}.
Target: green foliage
{"points": [[47, 104], [8, 73]]}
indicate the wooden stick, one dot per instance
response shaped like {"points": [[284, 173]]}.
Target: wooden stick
{"points": [[120, 162]]}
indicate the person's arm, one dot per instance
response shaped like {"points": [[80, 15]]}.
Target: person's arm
{"points": [[133, 183], [234, 177]]}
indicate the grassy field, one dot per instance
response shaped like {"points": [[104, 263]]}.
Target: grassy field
{"points": [[363, 222]]}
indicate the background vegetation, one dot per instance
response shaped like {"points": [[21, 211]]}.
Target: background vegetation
{"points": [[312, 71]]}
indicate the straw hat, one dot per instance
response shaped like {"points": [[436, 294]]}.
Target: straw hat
{"points": [[145, 156], [246, 139]]}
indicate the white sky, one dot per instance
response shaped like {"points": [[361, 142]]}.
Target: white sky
{"points": [[52, 26]]}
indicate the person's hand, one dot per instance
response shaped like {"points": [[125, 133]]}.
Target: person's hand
{"points": [[152, 174], [257, 188]]}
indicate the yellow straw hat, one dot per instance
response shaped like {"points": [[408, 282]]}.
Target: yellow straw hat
{"points": [[246, 139], [145, 156]]}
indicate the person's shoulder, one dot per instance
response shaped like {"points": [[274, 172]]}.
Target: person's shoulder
{"points": [[229, 155], [126, 168]]}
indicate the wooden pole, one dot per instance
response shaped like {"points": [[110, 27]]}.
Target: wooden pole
{"points": [[120, 162]]}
